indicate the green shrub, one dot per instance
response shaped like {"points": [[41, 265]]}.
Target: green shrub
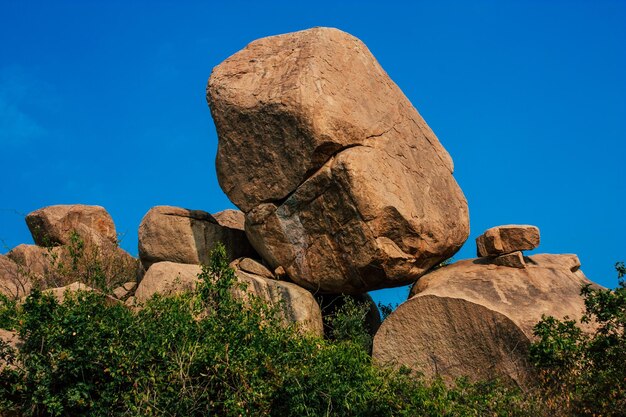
{"points": [[207, 353], [585, 374]]}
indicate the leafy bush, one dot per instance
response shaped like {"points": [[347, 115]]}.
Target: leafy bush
{"points": [[585, 374], [207, 353]]}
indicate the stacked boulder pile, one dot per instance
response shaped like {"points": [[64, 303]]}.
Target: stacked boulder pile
{"points": [[69, 239], [475, 317], [346, 189], [173, 242], [343, 189]]}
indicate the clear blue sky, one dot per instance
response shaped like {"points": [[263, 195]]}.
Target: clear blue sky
{"points": [[104, 103]]}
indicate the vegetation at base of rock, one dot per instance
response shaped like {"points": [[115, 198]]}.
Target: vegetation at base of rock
{"points": [[584, 374], [208, 353]]}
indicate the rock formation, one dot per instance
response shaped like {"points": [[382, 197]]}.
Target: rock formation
{"points": [[475, 318], [343, 183], [59, 259], [187, 236], [53, 225], [297, 304]]}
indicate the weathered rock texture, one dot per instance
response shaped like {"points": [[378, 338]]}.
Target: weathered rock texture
{"points": [[53, 225], [513, 260], [58, 259], [58, 266], [343, 183], [36, 261], [298, 305], [187, 236], [501, 240], [474, 318], [14, 282]]}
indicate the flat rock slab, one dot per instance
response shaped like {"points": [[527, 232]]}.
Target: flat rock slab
{"points": [[53, 225], [297, 304], [475, 318], [502, 240], [343, 183], [181, 235]]}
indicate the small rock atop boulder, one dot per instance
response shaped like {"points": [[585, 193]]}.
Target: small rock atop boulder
{"points": [[501, 240], [297, 304], [187, 236], [343, 183], [475, 318], [252, 267], [14, 282], [53, 225]]}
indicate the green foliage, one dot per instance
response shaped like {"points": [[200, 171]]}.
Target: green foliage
{"points": [[348, 324], [584, 372], [386, 310], [210, 353], [9, 316]]}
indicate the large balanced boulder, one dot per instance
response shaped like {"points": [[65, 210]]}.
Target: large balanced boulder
{"points": [[54, 225], [187, 236], [296, 304], [475, 318], [343, 183]]}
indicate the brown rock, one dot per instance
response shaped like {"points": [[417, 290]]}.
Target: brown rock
{"points": [[15, 283], [131, 301], [53, 225], [298, 305], [37, 261], [452, 337], [187, 236], [167, 278], [501, 240], [61, 293], [513, 260], [475, 318], [124, 291], [251, 266], [343, 183], [58, 266]]}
